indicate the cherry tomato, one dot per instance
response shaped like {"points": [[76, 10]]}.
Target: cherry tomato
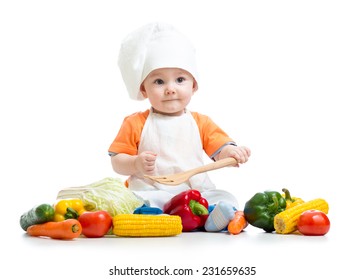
{"points": [[95, 224], [313, 222]]}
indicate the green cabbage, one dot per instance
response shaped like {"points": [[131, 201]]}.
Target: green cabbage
{"points": [[109, 194]]}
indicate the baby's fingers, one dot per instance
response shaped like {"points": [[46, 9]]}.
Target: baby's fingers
{"points": [[150, 156], [149, 162], [242, 154]]}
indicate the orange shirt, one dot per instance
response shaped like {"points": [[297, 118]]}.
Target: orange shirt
{"points": [[127, 140]]}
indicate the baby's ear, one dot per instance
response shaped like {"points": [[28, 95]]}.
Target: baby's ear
{"points": [[143, 91], [195, 86]]}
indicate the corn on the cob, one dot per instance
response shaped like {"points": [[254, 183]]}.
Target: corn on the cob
{"points": [[286, 221], [143, 225]]}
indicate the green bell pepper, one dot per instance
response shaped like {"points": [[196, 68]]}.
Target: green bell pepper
{"points": [[260, 210]]}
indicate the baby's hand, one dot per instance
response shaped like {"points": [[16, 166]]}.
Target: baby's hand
{"points": [[241, 154], [145, 162]]}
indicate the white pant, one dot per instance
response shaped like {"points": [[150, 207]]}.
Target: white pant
{"points": [[158, 198]]}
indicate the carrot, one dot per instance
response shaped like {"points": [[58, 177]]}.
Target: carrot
{"points": [[238, 223], [67, 229]]}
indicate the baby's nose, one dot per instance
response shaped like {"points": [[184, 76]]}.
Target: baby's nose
{"points": [[170, 89]]}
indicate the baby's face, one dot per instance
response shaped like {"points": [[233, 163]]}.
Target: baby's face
{"points": [[169, 90]]}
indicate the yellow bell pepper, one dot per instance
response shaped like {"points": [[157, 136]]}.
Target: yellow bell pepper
{"points": [[291, 201], [68, 209]]}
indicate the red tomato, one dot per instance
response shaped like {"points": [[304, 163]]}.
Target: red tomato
{"points": [[313, 222], [95, 224]]}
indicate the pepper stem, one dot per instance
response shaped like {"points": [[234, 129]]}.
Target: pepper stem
{"points": [[197, 208], [287, 194], [71, 214]]}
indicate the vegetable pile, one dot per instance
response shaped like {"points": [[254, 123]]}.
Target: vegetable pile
{"points": [[91, 210], [108, 207], [272, 211]]}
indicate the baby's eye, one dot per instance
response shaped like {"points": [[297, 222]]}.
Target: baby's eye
{"points": [[180, 79], [159, 82]]}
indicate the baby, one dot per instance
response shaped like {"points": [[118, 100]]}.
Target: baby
{"points": [[158, 63]]}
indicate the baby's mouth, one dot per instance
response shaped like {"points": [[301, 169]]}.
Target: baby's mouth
{"points": [[167, 100]]}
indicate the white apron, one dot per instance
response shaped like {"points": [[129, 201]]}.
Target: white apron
{"points": [[177, 143]]}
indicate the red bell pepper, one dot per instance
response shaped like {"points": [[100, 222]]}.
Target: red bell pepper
{"points": [[191, 207]]}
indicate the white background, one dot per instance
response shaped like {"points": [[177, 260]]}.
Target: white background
{"points": [[284, 78]]}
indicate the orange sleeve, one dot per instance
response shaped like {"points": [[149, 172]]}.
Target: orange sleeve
{"points": [[212, 137], [128, 138]]}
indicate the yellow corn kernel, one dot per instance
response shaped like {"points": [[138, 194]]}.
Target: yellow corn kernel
{"points": [[286, 221], [142, 225]]}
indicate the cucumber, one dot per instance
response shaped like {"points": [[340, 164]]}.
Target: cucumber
{"points": [[37, 215]]}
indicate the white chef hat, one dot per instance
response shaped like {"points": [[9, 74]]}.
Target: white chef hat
{"points": [[153, 46]]}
